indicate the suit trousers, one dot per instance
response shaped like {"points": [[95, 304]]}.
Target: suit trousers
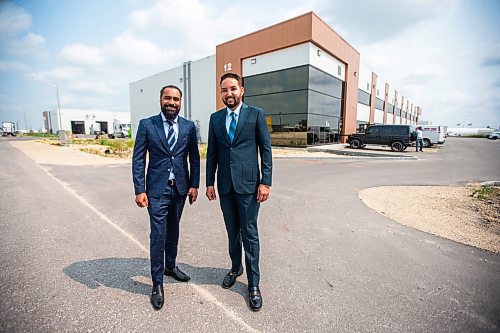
{"points": [[240, 213], [164, 217]]}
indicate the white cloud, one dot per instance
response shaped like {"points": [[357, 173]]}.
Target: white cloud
{"points": [[13, 19], [80, 54], [28, 45], [13, 66], [89, 86], [66, 74], [138, 51]]}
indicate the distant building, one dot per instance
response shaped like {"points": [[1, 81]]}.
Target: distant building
{"points": [[81, 121], [304, 75], [468, 131]]}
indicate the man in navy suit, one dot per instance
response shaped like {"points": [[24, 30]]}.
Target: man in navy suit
{"points": [[170, 140], [237, 134]]}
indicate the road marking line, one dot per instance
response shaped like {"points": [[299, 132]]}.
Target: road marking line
{"points": [[200, 290]]}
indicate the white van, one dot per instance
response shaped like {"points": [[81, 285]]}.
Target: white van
{"points": [[433, 135]]}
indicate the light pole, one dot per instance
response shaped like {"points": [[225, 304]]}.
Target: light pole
{"points": [[57, 94]]}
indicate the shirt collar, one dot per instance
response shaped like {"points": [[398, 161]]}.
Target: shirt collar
{"points": [[236, 111], [165, 119]]}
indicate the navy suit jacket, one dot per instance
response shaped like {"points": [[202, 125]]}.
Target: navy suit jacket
{"points": [[237, 163], [151, 139]]}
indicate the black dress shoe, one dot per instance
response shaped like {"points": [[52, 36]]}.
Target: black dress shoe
{"points": [[157, 297], [254, 298], [177, 274], [230, 278]]}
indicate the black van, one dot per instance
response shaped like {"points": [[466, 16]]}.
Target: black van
{"points": [[398, 137]]}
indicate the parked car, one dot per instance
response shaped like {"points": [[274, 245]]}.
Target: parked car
{"points": [[398, 137], [495, 135]]}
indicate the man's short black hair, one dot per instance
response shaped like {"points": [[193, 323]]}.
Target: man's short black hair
{"points": [[232, 76], [172, 87]]}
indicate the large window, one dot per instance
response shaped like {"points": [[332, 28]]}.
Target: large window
{"points": [[390, 108], [363, 97], [303, 105], [379, 104]]}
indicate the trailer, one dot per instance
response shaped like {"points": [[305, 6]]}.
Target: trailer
{"points": [[8, 128], [120, 130]]}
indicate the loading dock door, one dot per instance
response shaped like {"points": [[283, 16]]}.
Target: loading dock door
{"points": [[78, 127], [103, 125]]}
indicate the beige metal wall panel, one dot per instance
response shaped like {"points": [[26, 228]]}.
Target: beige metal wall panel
{"points": [[363, 112]]}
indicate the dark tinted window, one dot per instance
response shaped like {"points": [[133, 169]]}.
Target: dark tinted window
{"points": [[390, 108], [373, 130], [379, 104], [363, 97], [324, 104], [280, 81], [385, 130], [398, 112], [324, 83], [400, 130], [285, 102]]}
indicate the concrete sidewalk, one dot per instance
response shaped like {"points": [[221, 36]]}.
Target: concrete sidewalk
{"points": [[342, 150], [377, 152]]}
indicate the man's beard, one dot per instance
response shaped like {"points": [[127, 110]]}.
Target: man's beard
{"points": [[170, 111], [236, 101]]}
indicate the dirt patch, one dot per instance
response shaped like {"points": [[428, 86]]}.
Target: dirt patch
{"points": [[456, 213]]}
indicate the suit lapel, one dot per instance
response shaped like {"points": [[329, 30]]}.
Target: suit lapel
{"points": [[242, 118], [220, 124], [183, 132], [160, 130]]}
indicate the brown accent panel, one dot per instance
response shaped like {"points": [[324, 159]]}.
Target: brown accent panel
{"points": [[282, 35], [386, 94], [299, 30], [395, 103], [373, 97], [333, 43], [402, 104]]}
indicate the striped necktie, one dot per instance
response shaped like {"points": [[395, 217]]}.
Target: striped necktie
{"points": [[170, 135], [232, 126]]}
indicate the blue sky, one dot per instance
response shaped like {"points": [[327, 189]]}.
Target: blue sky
{"points": [[443, 55]]}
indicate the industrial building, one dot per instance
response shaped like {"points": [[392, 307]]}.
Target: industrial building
{"points": [[305, 76], [83, 121]]}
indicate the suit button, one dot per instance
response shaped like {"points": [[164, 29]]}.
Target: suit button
{"points": [[168, 169]]}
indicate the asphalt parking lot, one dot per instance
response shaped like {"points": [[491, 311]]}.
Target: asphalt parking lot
{"points": [[74, 252]]}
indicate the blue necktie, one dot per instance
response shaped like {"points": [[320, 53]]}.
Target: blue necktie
{"points": [[232, 126], [170, 135]]}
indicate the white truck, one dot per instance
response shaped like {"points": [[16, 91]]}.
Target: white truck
{"points": [[8, 128], [120, 130], [433, 135]]}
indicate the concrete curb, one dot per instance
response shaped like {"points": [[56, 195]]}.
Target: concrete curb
{"points": [[491, 183], [363, 154]]}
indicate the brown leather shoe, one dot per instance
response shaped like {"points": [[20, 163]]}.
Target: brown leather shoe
{"points": [[254, 298], [230, 278]]}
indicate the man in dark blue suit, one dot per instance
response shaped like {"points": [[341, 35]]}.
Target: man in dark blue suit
{"points": [[170, 141], [237, 134]]}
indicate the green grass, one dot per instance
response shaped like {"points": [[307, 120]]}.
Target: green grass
{"points": [[118, 145], [484, 192], [41, 135]]}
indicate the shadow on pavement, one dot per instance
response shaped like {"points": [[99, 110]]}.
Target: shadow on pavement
{"points": [[111, 272], [118, 273]]}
